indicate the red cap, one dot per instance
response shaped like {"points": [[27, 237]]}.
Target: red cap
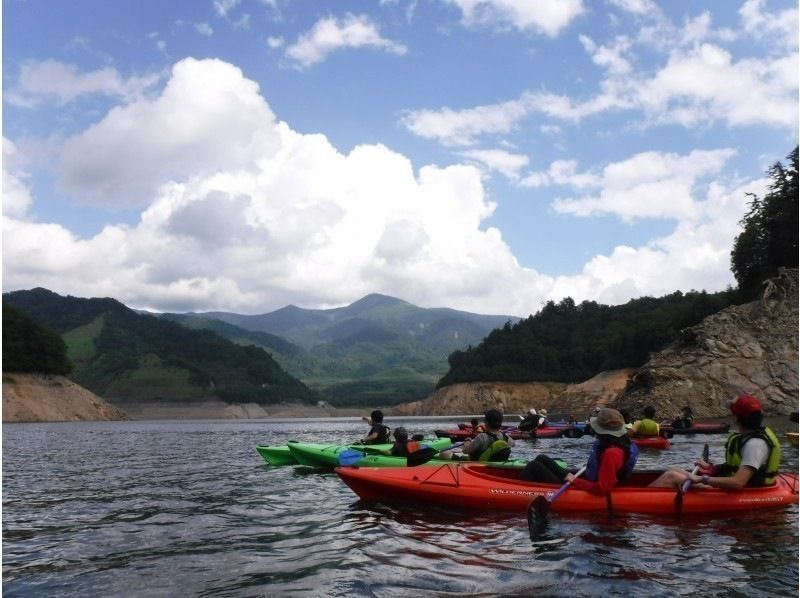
{"points": [[746, 405]]}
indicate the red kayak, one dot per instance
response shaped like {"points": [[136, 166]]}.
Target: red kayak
{"points": [[651, 442], [474, 486], [710, 428], [461, 435]]}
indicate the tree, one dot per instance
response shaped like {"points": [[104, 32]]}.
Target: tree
{"points": [[27, 347], [769, 239]]}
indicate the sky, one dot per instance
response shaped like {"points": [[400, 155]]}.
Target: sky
{"points": [[484, 155]]}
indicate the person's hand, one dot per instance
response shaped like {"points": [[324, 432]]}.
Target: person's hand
{"points": [[704, 467], [570, 478]]}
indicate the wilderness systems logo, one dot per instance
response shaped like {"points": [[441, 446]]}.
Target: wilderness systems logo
{"points": [[531, 493]]}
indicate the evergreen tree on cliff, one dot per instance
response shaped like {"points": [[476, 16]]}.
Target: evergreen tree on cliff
{"points": [[27, 347], [769, 237]]}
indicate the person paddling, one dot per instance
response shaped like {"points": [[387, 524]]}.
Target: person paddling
{"points": [[531, 421], [402, 446], [378, 433], [491, 445], [685, 419], [611, 459], [647, 426], [477, 427], [752, 454]]}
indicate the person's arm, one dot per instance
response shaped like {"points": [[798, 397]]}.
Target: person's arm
{"points": [[735, 482], [635, 428], [610, 463], [754, 454]]}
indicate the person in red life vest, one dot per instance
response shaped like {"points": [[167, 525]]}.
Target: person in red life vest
{"points": [[752, 454], [402, 446], [378, 433], [611, 460]]}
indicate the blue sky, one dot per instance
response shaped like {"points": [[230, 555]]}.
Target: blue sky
{"points": [[486, 155]]}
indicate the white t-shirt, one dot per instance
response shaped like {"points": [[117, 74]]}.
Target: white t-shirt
{"points": [[755, 453]]}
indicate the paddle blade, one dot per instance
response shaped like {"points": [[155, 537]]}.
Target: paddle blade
{"points": [[350, 457], [421, 456], [539, 507]]}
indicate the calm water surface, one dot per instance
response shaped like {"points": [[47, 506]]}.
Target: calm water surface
{"points": [[190, 509]]}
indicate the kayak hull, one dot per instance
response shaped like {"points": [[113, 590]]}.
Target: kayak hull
{"points": [[484, 487], [276, 455], [793, 437], [651, 442], [327, 455], [456, 435], [697, 429]]}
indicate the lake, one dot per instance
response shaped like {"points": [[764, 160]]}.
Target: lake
{"points": [[188, 508]]}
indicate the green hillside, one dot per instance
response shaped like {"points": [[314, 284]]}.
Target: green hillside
{"points": [[565, 342], [377, 351], [29, 347], [122, 355]]}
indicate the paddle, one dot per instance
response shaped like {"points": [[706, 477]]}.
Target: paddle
{"points": [[425, 454], [352, 456], [687, 483], [541, 505]]}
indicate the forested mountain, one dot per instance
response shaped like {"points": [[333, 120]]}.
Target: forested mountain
{"points": [[28, 347], [565, 342], [122, 355], [377, 351]]}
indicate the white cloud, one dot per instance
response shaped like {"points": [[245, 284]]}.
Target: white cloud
{"points": [[502, 161], [274, 42], [783, 26], [16, 194], [282, 217], [50, 80], [461, 127], [562, 172], [648, 185], [696, 255], [223, 7], [209, 118], [330, 34], [609, 57], [204, 29], [543, 16], [638, 7]]}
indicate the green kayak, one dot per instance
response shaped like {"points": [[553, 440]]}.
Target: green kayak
{"points": [[327, 455], [390, 461], [279, 454]]}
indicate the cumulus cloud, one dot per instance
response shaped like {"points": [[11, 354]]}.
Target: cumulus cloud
{"points": [[549, 17], [204, 29], [648, 185], [782, 26], [223, 7], [330, 34], [208, 118], [50, 80], [282, 217]]}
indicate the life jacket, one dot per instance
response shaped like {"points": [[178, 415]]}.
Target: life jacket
{"points": [[648, 427], [764, 475], [498, 449], [593, 465], [383, 433], [404, 450], [479, 429]]}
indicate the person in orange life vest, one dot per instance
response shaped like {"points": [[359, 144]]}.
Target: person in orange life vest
{"points": [[752, 454], [477, 427], [402, 446], [611, 460], [378, 433]]}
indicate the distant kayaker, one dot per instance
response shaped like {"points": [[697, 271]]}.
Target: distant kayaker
{"points": [[491, 445], [611, 460], [378, 433], [752, 454], [531, 421], [477, 427], [402, 446], [647, 426], [685, 419]]}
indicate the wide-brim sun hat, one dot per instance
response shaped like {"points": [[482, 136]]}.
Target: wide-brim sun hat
{"points": [[609, 421]]}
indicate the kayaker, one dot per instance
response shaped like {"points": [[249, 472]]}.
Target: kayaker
{"points": [[752, 454], [477, 427], [685, 419], [531, 421], [378, 433], [611, 460], [647, 426], [402, 446], [491, 445]]}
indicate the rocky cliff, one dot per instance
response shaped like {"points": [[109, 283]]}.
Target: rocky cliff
{"points": [[518, 397], [48, 398], [748, 348]]}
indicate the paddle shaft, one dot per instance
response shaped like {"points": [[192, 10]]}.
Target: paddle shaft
{"points": [[566, 485], [687, 483]]}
